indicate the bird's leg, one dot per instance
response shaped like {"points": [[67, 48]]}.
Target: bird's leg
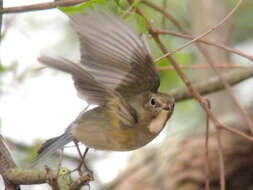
{"points": [[77, 147], [89, 172], [82, 156], [83, 162]]}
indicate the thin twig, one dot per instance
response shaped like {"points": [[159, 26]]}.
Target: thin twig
{"points": [[207, 169], [41, 6], [127, 12], [194, 92], [80, 154], [207, 32], [164, 17], [229, 89], [221, 159], [167, 15], [208, 42], [209, 59]]}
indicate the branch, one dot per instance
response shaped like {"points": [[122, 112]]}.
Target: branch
{"points": [[193, 91], [221, 160], [207, 42], [204, 52], [27, 176], [181, 28], [30, 176], [213, 84], [207, 168], [6, 163], [41, 6], [167, 15], [14, 176]]}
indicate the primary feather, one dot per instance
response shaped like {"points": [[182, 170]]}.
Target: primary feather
{"points": [[115, 54], [87, 86]]}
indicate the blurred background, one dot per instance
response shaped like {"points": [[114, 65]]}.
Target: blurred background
{"points": [[38, 103]]}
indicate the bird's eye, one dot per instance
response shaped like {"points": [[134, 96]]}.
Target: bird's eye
{"points": [[152, 101]]}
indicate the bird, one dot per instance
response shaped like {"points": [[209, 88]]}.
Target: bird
{"points": [[117, 73]]}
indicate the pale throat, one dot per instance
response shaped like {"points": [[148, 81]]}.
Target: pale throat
{"points": [[157, 124]]}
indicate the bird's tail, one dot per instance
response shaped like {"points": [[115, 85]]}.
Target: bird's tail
{"points": [[51, 145]]}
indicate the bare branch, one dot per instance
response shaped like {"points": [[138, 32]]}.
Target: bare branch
{"points": [[6, 163], [205, 54], [207, 169], [221, 160], [193, 91], [32, 176], [27, 176], [167, 15], [207, 32], [14, 176], [207, 42], [41, 6], [213, 84]]}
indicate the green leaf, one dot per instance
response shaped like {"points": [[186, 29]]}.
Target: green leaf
{"points": [[123, 4], [81, 7], [113, 7], [141, 25], [64, 179], [136, 3]]}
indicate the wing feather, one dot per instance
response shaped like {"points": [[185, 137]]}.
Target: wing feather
{"points": [[114, 54], [87, 86]]}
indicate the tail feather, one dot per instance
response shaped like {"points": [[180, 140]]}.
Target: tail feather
{"points": [[51, 145]]}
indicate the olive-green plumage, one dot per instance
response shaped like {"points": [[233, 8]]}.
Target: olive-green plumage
{"points": [[116, 73]]}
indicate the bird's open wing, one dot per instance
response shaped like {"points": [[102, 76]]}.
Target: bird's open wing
{"points": [[115, 55], [87, 86], [93, 91]]}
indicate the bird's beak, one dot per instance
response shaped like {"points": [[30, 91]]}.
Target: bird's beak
{"points": [[169, 107]]}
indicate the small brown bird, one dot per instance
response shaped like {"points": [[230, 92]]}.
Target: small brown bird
{"points": [[116, 73]]}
